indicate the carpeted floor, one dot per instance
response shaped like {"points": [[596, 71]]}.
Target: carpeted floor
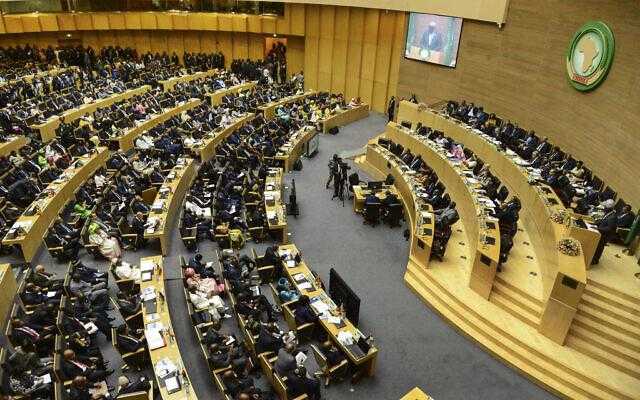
{"points": [[417, 347]]}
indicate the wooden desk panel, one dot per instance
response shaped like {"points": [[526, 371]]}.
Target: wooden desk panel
{"points": [[171, 349], [126, 140], [289, 154], [183, 175], [85, 109], [207, 150], [487, 256], [47, 129], [275, 182], [539, 202], [345, 117], [416, 394], [421, 241], [14, 143], [368, 361], [269, 110], [215, 98], [8, 289], [61, 192], [170, 83]]}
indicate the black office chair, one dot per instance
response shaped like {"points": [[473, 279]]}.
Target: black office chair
{"points": [[354, 179], [372, 214], [393, 215]]}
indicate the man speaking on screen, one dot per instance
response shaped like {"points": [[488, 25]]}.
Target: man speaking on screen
{"points": [[431, 41]]}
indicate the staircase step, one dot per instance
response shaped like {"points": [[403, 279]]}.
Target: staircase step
{"points": [[618, 348], [523, 299], [596, 318], [595, 304], [560, 378], [538, 303], [507, 304], [604, 356], [607, 332], [612, 296]]}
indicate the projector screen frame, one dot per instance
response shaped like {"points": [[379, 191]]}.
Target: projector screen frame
{"points": [[406, 38]]}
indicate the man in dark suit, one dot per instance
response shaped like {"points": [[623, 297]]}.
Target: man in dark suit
{"points": [[298, 383], [607, 226], [625, 218], [73, 366], [303, 312], [125, 385], [128, 341], [138, 226]]}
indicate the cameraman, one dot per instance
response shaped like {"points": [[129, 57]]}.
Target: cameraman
{"points": [[334, 170]]}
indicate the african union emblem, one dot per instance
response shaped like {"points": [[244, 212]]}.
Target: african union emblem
{"points": [[590, 55]]}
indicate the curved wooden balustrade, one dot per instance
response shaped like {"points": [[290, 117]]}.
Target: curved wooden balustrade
{"points": [[563, 277], [59, 192]]}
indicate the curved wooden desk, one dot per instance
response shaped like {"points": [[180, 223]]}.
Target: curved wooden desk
{"points": [[14, 143], [207, 148], [170, 351], [563, 277], [47, 129], [345, 117], [169, 201], [215, 98], [269, 110], [125, 141], [482, 231], [420, 214], [170, 83], [291, 151], [276, 211], [366, 362], [60, 192]]}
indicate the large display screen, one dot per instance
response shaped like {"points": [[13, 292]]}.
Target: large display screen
{"points": [[433, 38]]}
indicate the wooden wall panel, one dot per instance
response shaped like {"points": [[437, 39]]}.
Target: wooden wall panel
{"points": [[311, 46], [133, 20], [295, 55], [142, 41], [125, 39], [117, 21], [192, 42], [240, 45], [148, 20], [100, 21], [210, 21], [83, 22], [158, 41], [48, 22], [354, 52], [207, 42], [239, 23], [175, 43], [325, 47], [225, 45], [225, 23], [13, 24], [256, 47], [519, 73], [268, 24], [297, 19], [164, 21], [30, 23], [180, 21]]}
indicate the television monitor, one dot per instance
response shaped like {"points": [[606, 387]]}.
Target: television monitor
{"points": [[341, 293], [433, 39]]}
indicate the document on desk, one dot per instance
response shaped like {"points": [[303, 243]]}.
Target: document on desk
{"points": [[320, 307], [165, 367], [154, 337], [148, 294]]}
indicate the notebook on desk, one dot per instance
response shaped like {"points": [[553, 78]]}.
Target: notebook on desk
{"points": [[150, 306]]}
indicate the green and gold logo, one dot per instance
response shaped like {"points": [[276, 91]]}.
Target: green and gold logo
{"points": [[590, 55]]}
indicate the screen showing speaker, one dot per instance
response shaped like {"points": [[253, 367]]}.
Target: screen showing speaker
{"points": [[433, 39]]}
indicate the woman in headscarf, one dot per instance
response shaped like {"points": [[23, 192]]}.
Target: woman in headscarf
{"points": [[108, 245]]}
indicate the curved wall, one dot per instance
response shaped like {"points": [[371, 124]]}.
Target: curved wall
{"points": [[518, 72]]}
